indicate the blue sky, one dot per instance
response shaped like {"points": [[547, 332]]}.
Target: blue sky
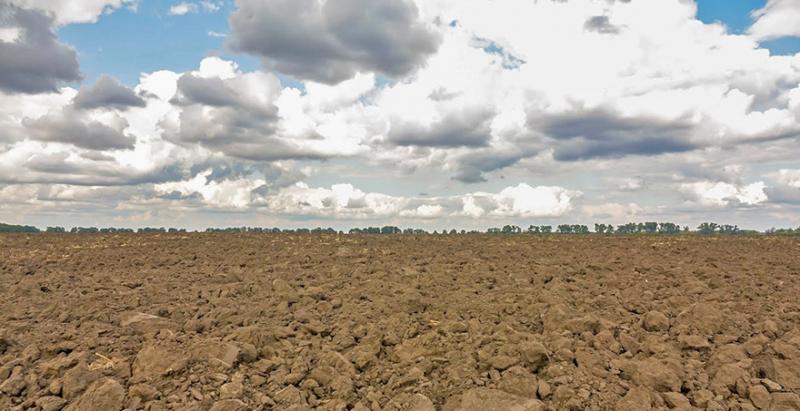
{"points": [[368, 113], [736, 15], [126, 42]]}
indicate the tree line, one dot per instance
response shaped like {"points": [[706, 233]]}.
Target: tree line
{"points": [[707, 228]]}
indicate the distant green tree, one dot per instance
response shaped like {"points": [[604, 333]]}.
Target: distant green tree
{"points": [[707, 228], [390, 230], [604, 228], [579, 229], [669, 228], [649, 227], [11, 228], [630, 228]]}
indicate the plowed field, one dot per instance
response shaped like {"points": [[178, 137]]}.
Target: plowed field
{"points": [[415, 323]]}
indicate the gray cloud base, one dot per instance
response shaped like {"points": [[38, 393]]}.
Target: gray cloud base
{"points": [[604, 134], [107, 93], [36, 62], [67, 127], [218, 116], [470, 128], [332, 42], [601, 24]]}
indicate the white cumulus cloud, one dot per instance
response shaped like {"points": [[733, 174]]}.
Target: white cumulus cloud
{"points": [[722, 194], [778, 18], [789, 177], [181, 9]]}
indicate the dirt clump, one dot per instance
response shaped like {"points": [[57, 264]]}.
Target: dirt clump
{"points": [[230, 322]]}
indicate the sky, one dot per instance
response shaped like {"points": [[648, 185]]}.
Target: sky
{"points": [[436, 114]]}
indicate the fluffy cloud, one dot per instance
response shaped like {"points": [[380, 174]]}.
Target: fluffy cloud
{"points": [[601, 24], [330, 41], [30, 162], [788, 177], [184, 8], [83, 11], [520, 201], [346, 201], [463, 129], [238, 114], [234, 115], [778, 18], [424, 211], [342, 200], [70, 127], [472, 166], [221, 194], [107, 92], [723, 194], [33, 60], [584, 135], [16, 107]]}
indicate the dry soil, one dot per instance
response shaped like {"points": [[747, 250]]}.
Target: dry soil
{"points": [[415, 323]]}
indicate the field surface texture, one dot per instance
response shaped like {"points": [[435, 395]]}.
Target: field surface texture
{"points": [[417, 323]]}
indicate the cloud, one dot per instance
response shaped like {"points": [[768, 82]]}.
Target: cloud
{"points": [[340, 200], [69, 127], [333, 40], [64, 199], [601, 24], [227, 193], [346, 201], [234, 113], [210, 91], [520, 201], [600, 133], [235, 116], [182, 9], [211, 6], [107, 92], [35, 61], [27, 163], [472, 166], [467, 128], [778, 18], [631, 184], [424, 211], [722, 194], [83, 11], [788, 177]]}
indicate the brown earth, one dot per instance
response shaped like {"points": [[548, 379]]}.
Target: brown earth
{"points": [[415, 323]]}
